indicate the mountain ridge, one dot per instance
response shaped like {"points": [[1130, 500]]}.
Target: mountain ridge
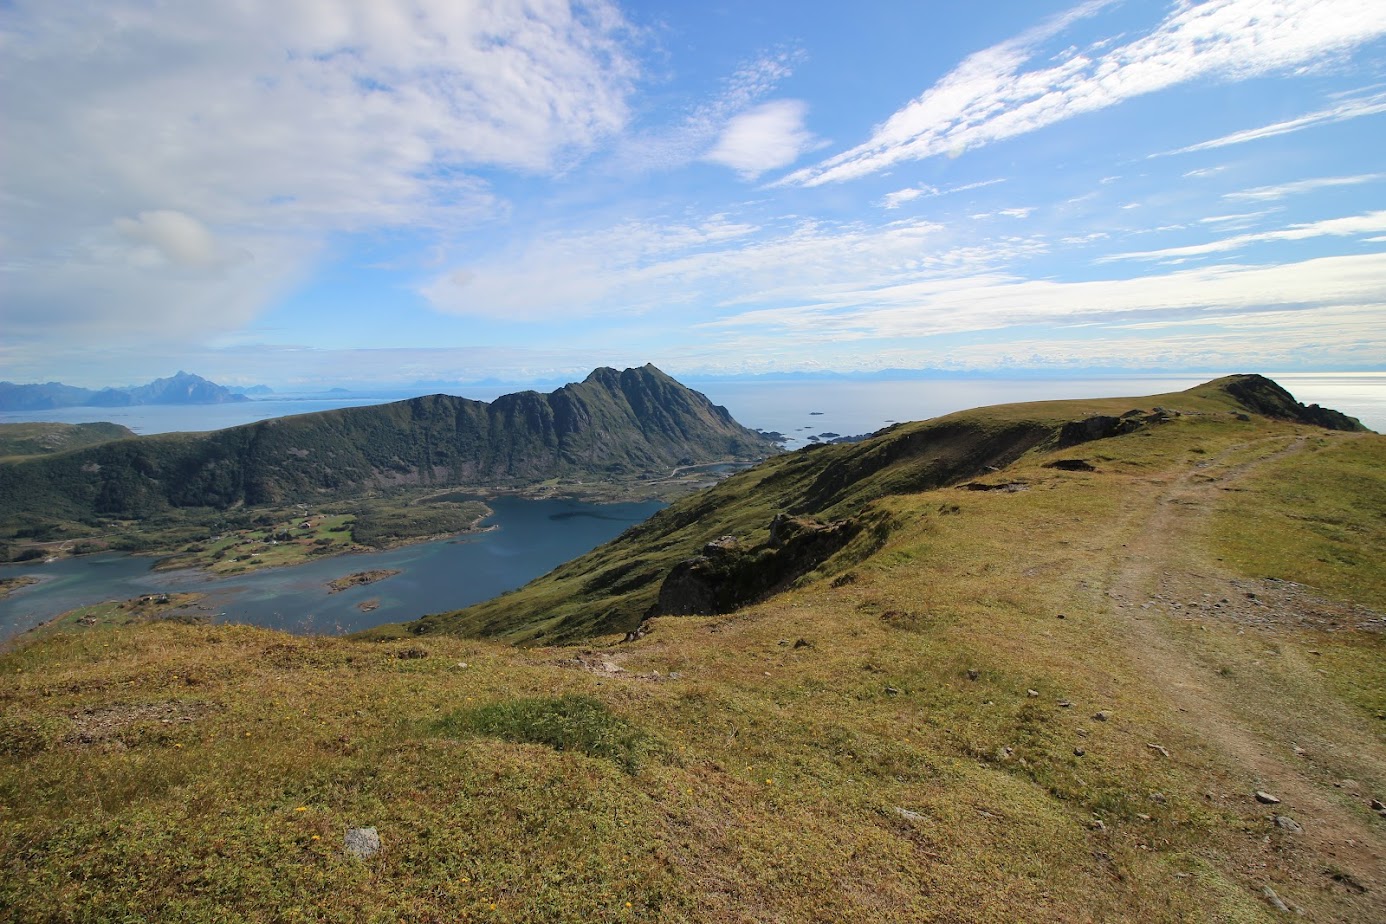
{"points": [[182, 388], [613, 423]]}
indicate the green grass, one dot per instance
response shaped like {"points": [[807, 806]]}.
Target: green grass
{"points": [[564, 723]]}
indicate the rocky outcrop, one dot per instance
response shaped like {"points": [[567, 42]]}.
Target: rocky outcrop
{"points": [[1263, 396], [727, 574]]}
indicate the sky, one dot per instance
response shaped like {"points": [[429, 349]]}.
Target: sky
{"points": [[311, 192]]}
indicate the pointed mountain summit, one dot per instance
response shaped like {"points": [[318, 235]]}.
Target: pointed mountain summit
{"points": [[628, 423]]}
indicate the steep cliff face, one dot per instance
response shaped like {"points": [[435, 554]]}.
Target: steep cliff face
{"points": [[635, 421]]}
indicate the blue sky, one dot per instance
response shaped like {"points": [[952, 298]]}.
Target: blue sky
{"points": [[307, 192]]}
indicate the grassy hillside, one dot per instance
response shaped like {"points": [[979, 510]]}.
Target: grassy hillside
{"points": [[617, 585], [37, 439], [1051, 701]]}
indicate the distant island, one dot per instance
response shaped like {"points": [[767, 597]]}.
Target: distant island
{"points": [[183, 388]]}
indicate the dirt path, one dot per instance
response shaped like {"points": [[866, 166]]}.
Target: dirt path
{"points": [[1158, 581]]}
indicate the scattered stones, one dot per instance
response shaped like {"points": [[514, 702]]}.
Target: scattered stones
{"points": [[1286, 823], [973, 673], [1266, 798], [908, 815], [362, 842], [410, 654], [802, 643], [892, 691], [1158, 798], [1159, 748], [1079, 752], [1061, 616], [1097, 825], [1101, 716], [1032, 693], [1065, 704]]}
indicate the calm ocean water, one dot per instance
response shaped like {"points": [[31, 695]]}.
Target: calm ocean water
{"points": [[530, 538]]}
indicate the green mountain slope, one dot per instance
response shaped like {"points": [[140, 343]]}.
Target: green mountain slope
{"points": [[832, 502], [639, 420], [39, 439]]}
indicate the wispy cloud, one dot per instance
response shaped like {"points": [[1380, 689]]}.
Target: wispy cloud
{"points": [[1351, 109], [898, 198], [1003, 213], [998, 301], [708, 268], [1333, 227], [689, 137], [1271, 193], [993, 95]]}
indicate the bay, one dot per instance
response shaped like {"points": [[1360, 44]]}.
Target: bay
{"points": [[529, 538]]}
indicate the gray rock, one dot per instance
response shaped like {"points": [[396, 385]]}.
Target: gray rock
{"points": [[1378, 805], [908, 815], [1286, 823], [1266, 798], [1079, 752], [1032, 693], [362, 842], [1102, 716], [1274, 900]]}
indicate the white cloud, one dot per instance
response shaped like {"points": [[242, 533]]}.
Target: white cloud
{"points": [[195, 136], [992, 95], [997, 301], [899, 197], [1270, 193], [164, 237], [1352, 109], [702, 270], [768, 137], [1003, 213], [1333, 227], [690, 137]]}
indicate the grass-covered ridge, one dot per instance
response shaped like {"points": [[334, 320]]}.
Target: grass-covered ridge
{"points": [[617, 585], [917, 736]]}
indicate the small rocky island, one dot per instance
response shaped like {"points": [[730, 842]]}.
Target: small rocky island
{"points": [[360, 579]]}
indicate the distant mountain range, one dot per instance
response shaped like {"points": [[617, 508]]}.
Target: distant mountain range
{"points": [[183, 388], [610, 424]]}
